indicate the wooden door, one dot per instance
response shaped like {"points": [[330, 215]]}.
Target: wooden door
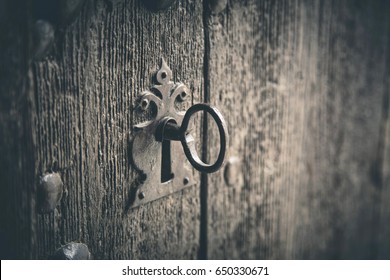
{"points": [[303, 86]]}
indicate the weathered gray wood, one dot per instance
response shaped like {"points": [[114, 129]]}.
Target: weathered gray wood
{"points": [[301, 84], [304, 86], [85, 93], [383, 242]]}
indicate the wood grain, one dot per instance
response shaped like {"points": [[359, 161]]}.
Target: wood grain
{"points": [[383, 166], [301, 84], [85, 95]]}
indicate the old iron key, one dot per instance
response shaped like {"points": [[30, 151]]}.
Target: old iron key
{"points": [[156, 150], [169, 130]]}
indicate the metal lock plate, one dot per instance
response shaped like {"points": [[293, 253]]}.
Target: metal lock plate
{"points": [[163, 166]]}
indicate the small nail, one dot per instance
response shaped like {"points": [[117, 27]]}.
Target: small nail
{"points": [[43, 38], [232, 172], [72, 251], [141, 195], [49, 192]]}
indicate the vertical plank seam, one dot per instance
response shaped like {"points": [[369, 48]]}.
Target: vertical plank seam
{"points": [[203, 228]]}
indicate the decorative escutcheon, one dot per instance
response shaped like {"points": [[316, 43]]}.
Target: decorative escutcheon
{"points": [[162, 147]]}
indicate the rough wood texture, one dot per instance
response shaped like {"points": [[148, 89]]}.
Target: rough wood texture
{"points": [[301, 84], [85, 94], [383, 156]]}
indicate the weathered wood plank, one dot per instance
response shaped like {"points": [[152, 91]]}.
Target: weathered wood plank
{"points": [[383, 165], [85, 93], [301, 85], [355, 69], [304, 87]]}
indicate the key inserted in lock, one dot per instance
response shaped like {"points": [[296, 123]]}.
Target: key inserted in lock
{"points": [[162, 147], [169, 130]]}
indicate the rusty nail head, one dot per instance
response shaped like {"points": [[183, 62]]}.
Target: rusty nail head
{"points": [[232, 172], [72, 251], [43, 38], [144, 104], [49, 192], [141, 195]]}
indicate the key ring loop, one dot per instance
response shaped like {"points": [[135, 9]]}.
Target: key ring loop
{"points": [[188, 141]]}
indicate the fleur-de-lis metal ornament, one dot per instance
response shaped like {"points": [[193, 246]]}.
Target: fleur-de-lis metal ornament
{"points": [[162, 147], [156, 159]]}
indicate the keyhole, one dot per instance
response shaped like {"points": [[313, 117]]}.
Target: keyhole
{"points": [[166, 168]]}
